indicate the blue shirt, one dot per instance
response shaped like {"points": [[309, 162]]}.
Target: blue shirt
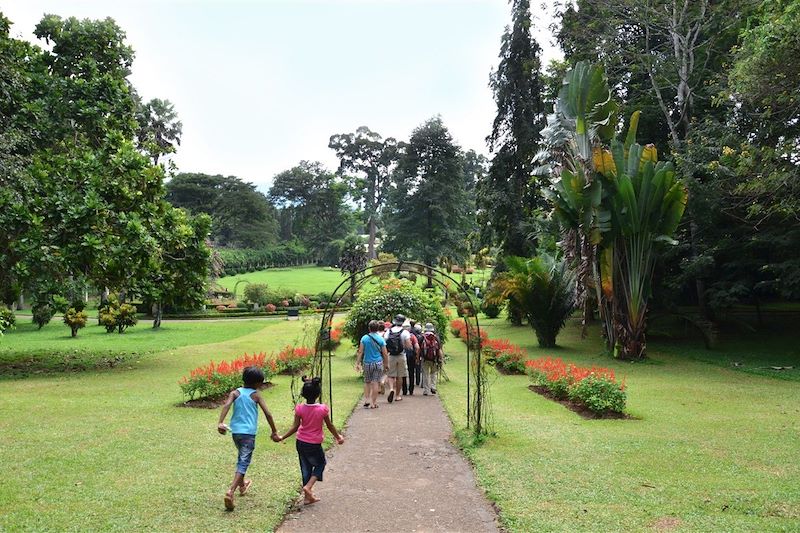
{"points": [[245, 413], [372, 343]]}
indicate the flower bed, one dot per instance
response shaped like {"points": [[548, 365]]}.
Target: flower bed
{"points": [[594, 388], [507, 357], [214, 380], [293, 360], [335, 338], [459, 329]]}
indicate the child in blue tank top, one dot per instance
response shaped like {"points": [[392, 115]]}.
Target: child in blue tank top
{"points": [[244, 425]]}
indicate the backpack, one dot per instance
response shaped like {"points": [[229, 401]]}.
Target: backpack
{"points": [[394, 342], [431, 348], [420, 340]]}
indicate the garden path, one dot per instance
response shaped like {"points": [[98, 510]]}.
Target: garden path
{"points": [[397, 471]]}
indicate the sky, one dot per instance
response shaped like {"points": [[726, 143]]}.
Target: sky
{"points": [[262, 85]]}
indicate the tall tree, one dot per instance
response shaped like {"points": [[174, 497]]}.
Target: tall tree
{"points": [[159, 132], [507, 194], [370, 159], [241, 215], [430, 213], [315, 198]]}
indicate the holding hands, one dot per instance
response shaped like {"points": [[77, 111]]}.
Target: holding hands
{"points": [[275, 437]]}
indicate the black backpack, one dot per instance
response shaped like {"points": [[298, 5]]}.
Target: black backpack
{"points": [[394, 342]]}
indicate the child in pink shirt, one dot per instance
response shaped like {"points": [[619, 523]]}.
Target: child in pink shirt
{"points": [[308, 419]]}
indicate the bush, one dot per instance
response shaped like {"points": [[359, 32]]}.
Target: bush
{"points": [[490, 309], [270, 308], [293, 360], [75, 320], [600, 393], [42, 314], [214, 380], [391, 297], [220, 308], [116, 316], [257, 293], [7, 319], [504, 355]]}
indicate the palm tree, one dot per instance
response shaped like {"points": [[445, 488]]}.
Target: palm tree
{"points": [[543, 288]]}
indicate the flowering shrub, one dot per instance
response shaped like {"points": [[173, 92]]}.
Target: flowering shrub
{"points": [[270, 308], [595, 387], [335, 338], [293, 360], [217, 379], [458, 327], [501, 353]]}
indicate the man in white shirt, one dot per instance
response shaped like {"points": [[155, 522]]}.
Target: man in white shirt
{"points": [[398, 340]]}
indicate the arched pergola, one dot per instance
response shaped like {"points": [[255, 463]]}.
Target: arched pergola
{"points": [[477, 386]]}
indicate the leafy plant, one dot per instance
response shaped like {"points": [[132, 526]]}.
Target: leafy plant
{"points": [[293, 360], [75, 320], [595, 387], [543, 289], [214, 380], [116, 316], [490, 309], [7, 319], [257, 293], [392, 297], [42, 313]]}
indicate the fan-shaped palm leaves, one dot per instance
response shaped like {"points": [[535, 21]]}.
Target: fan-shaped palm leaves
{"points": [[543, 288]]}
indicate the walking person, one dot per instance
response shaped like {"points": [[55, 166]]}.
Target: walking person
{"points": [[432, 358], [412, 355], [372, 359], [308, 419], [398, 340], [244, 425], [416, 330]]}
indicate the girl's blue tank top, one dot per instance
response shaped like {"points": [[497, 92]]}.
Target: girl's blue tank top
{"points": [[245, 413]]}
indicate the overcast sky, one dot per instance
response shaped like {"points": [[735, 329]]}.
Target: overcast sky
{"points": [[260, 86]]}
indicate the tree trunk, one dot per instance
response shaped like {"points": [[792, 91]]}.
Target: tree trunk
{"points": [[74, 332], [157, 315], [699, 283], [21, 301], [371, 243]]}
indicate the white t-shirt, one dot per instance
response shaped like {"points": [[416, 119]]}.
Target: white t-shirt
{"points": [[405, 335]]}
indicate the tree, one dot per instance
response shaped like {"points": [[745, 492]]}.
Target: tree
{"points": [[241, 216], [352, 260], [315, 199], [159, 131], [430, 213], [372, 159], [506, 196]]}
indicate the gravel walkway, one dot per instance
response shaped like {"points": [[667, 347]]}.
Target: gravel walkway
{"points": [[396, 471]]}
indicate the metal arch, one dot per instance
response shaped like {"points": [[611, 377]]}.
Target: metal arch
{"points": [[475, 412]]}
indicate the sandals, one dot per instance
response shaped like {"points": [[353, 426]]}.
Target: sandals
{"points": [[229, 502], [243, 490], [373, 406]]}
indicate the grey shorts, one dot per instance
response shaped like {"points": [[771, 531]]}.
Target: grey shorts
{"points": [[397, 366], [373, 372]]}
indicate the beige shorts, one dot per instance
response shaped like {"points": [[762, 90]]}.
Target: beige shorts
{"points": [[397, 366]]}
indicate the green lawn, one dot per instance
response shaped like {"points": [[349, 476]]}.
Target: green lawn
{"points": [[27, 349], [311, 279], [711, 449], [111, 450], [306, 280]]}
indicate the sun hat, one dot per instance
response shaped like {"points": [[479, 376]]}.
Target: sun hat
{"points": [[418, 327], [429, 327], [398, 320]]}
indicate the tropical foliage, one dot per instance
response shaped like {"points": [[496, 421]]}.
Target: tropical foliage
{"points": [[543, 289], [389, 298]]}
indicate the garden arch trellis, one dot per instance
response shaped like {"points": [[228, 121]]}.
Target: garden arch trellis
{"points": [[477, 404]]}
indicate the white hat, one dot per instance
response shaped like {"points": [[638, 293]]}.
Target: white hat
{"points": [[429, 327]]}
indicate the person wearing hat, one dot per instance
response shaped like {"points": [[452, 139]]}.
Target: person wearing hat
{"points": [[412, 356], [398, 340], [432, 358]]}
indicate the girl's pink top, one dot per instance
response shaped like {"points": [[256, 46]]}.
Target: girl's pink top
{"points": [[312, 415]]}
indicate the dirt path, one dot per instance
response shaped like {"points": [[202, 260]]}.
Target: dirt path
{"points": [[397, 471]]}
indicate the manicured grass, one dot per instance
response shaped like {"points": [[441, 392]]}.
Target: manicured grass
{"points": [[305, 280], [27, 349], [712, 449], [111, 451], [312, 280]]}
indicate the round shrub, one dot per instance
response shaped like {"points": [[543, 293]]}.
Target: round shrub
{"points": [[75, 320], [491, 310], [391, 297], [270, 308], [42, 314], [7, 319], [257, 293]]}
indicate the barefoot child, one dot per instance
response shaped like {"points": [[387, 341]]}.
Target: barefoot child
{"points": [[308, 420], [244, 426]]}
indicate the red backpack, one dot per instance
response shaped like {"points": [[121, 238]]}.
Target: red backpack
{"points": [[431, 348]]}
